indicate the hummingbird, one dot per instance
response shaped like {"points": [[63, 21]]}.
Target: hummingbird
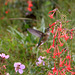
{"points": [[43, 36]]}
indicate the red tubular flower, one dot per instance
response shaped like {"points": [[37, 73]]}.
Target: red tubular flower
{"points": [[61, 62], [29, 9], [63, 50], [52, 31], [68, 57], [60, 28], [68, 67], [63, 70], [6, 3], [61, 44], [55, 70], [52, 24], [71, 34], [53, 11], [66, 37], [29, 5], [51, 16], [6, 12], [53, 42], [48, 51], [66, 63], [50, 73], [73, 73], [55, 33], [56, 52]]}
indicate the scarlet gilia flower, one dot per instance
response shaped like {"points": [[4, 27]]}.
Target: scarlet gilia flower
{"points": [[51, 15], [53, 24], [61, 62], [66, 37], [56, 52], [61, 44], [55, 34], [29, 5], [53, 42], [68, 21], [61, 73], [68, 66], [50, 73], [53, 11], [7, 11], [68, 57], [6, 3], [52, 31], [60, 27], [55, 70], [29, 9], [73, 73], [48, 50], [71, 34]]}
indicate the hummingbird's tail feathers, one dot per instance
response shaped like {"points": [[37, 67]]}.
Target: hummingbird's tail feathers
{"points": [[40, 42]]}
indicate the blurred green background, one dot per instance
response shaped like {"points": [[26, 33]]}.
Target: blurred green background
{"points": [[17, 42]]}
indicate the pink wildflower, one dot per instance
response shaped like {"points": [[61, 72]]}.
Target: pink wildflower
{"points": [[4, 56], [19, 67], [40, 60]]}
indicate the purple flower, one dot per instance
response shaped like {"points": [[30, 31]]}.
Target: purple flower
{"points": [[4, 56], [40, 60], [19, 67]]}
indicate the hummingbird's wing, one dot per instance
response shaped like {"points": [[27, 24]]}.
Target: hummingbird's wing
{"points": [[35, 32]]}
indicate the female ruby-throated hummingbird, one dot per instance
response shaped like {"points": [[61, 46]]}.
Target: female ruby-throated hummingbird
{"points": [[43, 36]]}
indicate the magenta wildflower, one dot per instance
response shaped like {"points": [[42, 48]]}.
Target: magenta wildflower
{"points": [[19, 67]]}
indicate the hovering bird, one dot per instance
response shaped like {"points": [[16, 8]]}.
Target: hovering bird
{"points": [[43, 36]]}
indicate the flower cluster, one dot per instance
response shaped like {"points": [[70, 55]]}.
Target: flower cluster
{"points": [[3, 63], [4, 56], [59, 34], [29, 5], [19, 67], [40, 61], [51, 15]]}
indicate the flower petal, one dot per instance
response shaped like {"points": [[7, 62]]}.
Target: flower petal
{"points": [[22, 66], [16, 64], [20, 71], [7, 56]]}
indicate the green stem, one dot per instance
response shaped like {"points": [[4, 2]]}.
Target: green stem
{"points": [[71, 51]]}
